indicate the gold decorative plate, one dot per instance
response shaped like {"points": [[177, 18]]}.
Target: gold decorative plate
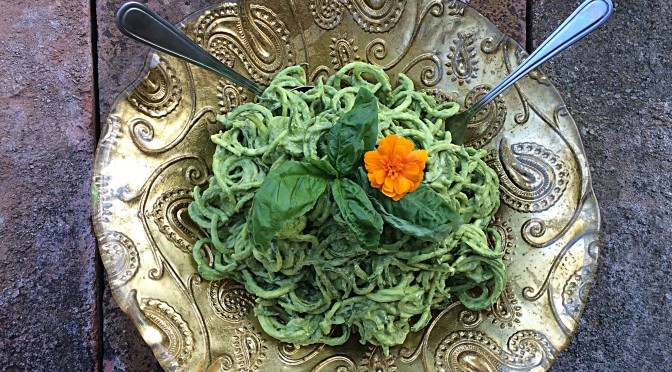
{"points": [[156, 148]]}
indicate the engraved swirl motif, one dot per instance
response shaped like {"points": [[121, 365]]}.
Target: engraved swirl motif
{"points": [[531, 177], [431, 73], [171, 216], [375, 361], [159, 93], [221, 364], [178, 344], [296, 355], [370, 15], [230, 96], [343, 51], [488, 122], [254, 35], [249, 347], [462, 62], [229, 299], [506, 311], [120, 257], [474, 351]]}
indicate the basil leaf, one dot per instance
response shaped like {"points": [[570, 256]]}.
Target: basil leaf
{"points": [[358, 212], [288, 192], [354, 133], [422, 213], [325, 166], [457, 129]]}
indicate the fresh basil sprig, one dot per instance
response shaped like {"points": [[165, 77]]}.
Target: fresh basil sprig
{"points": [[293, 188], [354, 134], [358, 212], [288, 192]]}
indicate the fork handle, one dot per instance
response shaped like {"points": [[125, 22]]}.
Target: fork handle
{"points": [[138, 22], [586, 18]]}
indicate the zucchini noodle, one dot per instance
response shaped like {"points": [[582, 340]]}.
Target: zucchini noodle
{"points": [[314, 283]]}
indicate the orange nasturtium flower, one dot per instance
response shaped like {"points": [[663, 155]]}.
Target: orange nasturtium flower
{"points": [[395, 168]]}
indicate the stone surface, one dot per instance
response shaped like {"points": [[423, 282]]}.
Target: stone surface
{"points": [[616, 85], [48, 282], [508, 15]]}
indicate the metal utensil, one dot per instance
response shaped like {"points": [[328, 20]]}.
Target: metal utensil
{"points": [[586, 18], [138, 22]]}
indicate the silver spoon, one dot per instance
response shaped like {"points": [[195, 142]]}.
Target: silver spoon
{"points": [[586, 18], [138, 22]]}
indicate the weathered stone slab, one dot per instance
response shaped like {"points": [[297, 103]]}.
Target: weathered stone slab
{"points": [[48, 283], [616, 85], [507, 15]]}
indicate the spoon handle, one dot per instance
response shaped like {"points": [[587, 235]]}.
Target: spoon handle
{"points": [[138, 22], [586, 18]]}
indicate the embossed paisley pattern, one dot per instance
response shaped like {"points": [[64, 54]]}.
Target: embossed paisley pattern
{"points": [[370, 15], [230, 300], [506, 311], [120, 257], [531, 177], [506, 233], [254, 35], [230, 96], [159, 93], [171, 216], [576, 288], [488, 122], [462, 62], [375, 361], [343, 51], [474, 351], [177, 344], [250, 348]]}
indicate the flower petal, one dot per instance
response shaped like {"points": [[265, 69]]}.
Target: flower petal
{"points": [[416, 156], [387, 144], [402, 185], [377, 178], [414, 177], [403, 147], [389, 184], [374, 159]]}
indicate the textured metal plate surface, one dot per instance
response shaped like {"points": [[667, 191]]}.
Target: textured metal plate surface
{"points": [[155, 148]]}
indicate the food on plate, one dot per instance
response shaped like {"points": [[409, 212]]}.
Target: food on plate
{"points": [[347, 210]]}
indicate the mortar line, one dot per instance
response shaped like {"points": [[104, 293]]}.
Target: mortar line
{"points": [[93, 20]]}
